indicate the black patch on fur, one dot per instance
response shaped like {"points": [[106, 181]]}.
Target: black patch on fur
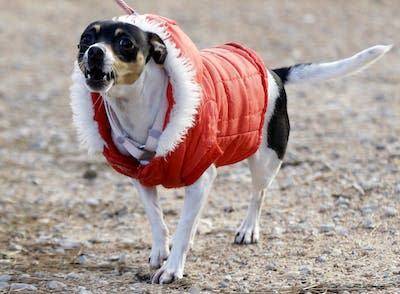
{"points": [[284, 72], [279, 126], [158, 49], [137, 38]]}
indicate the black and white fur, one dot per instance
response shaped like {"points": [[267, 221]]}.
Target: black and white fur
{"points": [[136, 115]]}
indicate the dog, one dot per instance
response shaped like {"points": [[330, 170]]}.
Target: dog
{"points": [[125, 73]]}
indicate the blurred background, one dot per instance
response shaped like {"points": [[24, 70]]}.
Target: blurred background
{"points": [[331, 218]]}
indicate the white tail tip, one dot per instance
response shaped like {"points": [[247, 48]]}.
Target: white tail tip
{"points": [[339, 68], [377, 51]]}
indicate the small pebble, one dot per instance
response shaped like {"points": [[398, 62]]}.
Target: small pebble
{"points": [[135, 287], [224, 284], [115, 272], [359, 188], [327, 228], [324, 208], [59, 250], [297, 227], [90, 174], [4, 286], [22, 287], [40, 274], [306, 271], [368, 224], [271, 267], [103, 282], [278, 231], [322, 258], [194, 290], [342, 201], [82, 290], [117, 258], [229, 209], [5, 278], [342, 231], [72, 275], [56, 285], [228, 278], [14, 247], [205, 226], [370, 184], [390, 211], [368, 209], [92, 202], [397, 189], [293, 275], [69, 244], [82, 259]]}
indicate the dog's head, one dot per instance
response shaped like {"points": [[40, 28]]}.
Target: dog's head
{"points": [[115, 53]]}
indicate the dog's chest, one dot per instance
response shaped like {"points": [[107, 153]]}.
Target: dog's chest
{"points": [[135, 118], [138, 108]]}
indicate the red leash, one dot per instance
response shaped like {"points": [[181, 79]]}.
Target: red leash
{"points": [[125, 6]]}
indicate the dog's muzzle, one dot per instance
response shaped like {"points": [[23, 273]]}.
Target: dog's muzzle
{"points": [[97, 70]]}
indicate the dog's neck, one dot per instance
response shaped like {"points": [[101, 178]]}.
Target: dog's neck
{"points": [[137, 105]]}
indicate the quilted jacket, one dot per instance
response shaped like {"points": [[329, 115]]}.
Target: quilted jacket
{"points": [[228, 118]]}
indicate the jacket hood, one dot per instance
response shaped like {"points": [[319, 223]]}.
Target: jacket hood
{"points": [[182, 67]]}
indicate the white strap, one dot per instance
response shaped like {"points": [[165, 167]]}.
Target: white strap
{"points": [[143, 153], [156, 130]]}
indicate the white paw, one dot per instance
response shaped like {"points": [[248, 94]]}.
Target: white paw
{"points": [[248, 233], [167, 274], [159, 253]]}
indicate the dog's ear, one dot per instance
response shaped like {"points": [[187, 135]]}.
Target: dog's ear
{"points": [[158, 50]]}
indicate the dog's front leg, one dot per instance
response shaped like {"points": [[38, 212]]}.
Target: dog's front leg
{"points": [[195, 198], [160, 246]]}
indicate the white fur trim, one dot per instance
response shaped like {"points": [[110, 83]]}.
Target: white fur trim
{"points": [[82, 114], [187, 92]]}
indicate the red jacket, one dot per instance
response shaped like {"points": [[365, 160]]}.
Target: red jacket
{"points": [[228, 122]]}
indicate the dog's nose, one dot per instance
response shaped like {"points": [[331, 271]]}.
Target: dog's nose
{"points": [[95, 52], [95, 57]]}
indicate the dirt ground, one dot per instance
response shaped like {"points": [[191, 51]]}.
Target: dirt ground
{"points": [[331, 220]]}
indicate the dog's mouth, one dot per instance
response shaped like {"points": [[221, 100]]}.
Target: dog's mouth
{"points": [[98, 80]]}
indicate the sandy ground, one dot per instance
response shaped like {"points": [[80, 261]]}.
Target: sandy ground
{"points": [[331, 220]]}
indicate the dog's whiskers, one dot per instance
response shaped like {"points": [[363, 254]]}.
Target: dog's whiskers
{"points": [[114, 72]]}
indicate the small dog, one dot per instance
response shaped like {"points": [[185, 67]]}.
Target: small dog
{"points": [[126, 73]]}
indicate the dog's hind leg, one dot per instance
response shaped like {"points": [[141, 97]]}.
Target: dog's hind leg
{"points": [[264, 165], [160, 246], [266, 162], [195, 198]]}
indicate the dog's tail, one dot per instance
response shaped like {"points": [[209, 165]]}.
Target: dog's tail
{"points": [[309, 72]]}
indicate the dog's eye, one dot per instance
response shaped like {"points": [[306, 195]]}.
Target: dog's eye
{"points": [[125, 44]]}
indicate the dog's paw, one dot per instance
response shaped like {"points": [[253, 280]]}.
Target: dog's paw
{"points": [[167, 274], [158, 255], [248, 233]]}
